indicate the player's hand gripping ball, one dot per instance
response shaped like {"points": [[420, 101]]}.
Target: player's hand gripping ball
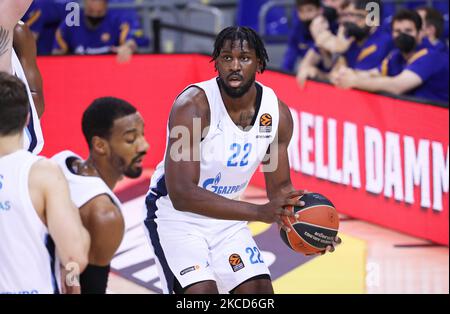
{"points": [[316, 227]]}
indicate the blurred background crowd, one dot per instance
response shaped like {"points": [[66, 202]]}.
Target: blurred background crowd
{"points": [[394, 46]]}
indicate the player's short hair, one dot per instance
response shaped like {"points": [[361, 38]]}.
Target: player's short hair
{"points": [[14, 104], [99, 117], [242, 33], [408, 15], [316, 3], [434, 18]]}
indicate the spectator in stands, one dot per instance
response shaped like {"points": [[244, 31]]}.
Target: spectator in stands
{"points": [[324, 33], [130, 15], [369, 44], [300, 39], [335, 6], [357, 45], [43, 18], [433, 28], [99, 33], [410, 69]]}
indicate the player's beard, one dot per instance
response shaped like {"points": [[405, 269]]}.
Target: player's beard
{"points": [[128, 171], [131, 172], [237, 92]]}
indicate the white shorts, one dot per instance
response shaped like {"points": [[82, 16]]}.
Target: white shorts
{"points": [[194, 253]]}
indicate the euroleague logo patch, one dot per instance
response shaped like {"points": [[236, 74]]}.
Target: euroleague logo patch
{"points": [[265, 123], [236, 262]]}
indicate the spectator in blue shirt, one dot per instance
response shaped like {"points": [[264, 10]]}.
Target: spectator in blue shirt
{"points": [[433, 28], [357, 45], [370, 45], [43, 18], [370, 53], [131, 16], [98, 33], [300, 39], [410, 69]]}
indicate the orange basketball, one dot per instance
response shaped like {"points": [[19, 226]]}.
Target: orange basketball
{"points": [[316, 227]]}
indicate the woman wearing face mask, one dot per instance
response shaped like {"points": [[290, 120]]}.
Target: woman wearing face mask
{"points": [[410, 69]]}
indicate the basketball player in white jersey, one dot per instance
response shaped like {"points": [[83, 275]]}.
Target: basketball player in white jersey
{"points": [[34, 205], [24, 45], [114, 131], [195, 219], [10, 13]]}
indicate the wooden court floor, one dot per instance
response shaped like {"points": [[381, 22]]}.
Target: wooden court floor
{"points": [[371, 259]]}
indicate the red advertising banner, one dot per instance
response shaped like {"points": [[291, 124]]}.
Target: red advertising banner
{"points": [[378, 159]]}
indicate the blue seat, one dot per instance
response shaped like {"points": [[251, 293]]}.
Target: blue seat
{"points": [[415, 4], [388, 10], [248, 14]]}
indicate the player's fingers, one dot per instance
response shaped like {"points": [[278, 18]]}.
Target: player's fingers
{"points": [[296, 197], [294, 202], [281, 225], [297, 193], [286, 212], [337, 240], [330, 249]]}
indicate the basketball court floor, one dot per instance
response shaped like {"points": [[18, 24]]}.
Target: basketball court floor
{"points": [[371, 259]]}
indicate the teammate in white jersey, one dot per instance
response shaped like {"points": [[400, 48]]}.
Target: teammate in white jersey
{"points": [[39, 224], [10, 13], [114, 131], [22, 65], [195, 219]]}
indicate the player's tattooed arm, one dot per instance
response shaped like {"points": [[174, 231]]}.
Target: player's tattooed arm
{"points": [[5, 40], [25, 47]]}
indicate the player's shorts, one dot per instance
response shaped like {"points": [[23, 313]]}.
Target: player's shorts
{"points": [[194, 253]]}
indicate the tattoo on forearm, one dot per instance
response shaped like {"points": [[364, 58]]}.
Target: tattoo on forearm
{"points": [[4, 41]]}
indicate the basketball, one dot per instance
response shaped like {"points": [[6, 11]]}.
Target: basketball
{"points": [[315, 228]]}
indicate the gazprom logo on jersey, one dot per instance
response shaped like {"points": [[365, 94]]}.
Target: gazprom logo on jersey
{"points": [[212, 185]]}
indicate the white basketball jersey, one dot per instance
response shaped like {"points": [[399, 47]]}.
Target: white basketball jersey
{"points": [[83, 188], [33, 138], [27, 261], [229, 156]]}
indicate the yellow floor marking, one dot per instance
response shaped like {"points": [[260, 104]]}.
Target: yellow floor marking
{"points": [[258, 228], [343, 271]]}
